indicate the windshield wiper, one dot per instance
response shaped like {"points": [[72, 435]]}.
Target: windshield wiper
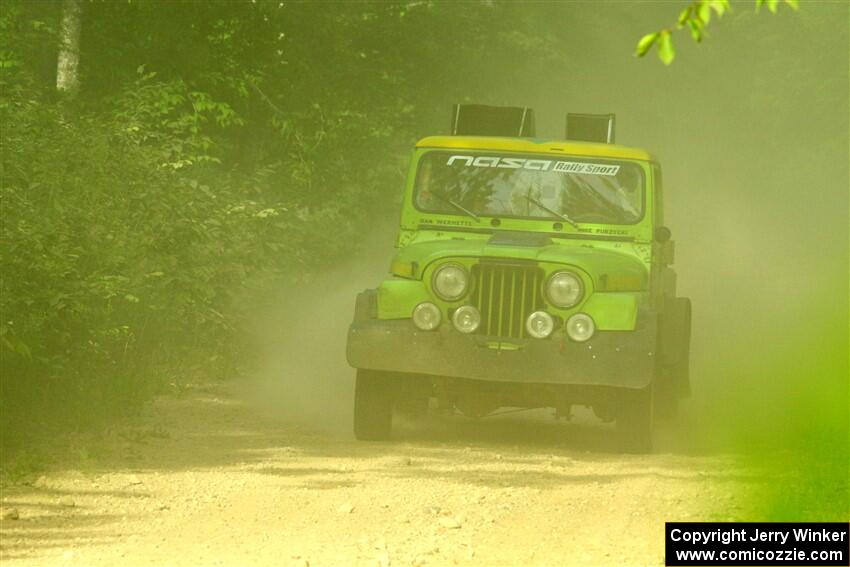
{"points": [[458, 206], [551, 211]]}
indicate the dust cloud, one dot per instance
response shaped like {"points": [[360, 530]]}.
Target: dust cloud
{"points": [[303, 375], [751, 128]]}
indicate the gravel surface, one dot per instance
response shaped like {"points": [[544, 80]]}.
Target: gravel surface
{"points": [[207, 479]]}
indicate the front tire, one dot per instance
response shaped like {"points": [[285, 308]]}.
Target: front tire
{"points": [[373, 407], [634, 420]]}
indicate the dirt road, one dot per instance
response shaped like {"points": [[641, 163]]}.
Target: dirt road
{"points": [[206, 479]]}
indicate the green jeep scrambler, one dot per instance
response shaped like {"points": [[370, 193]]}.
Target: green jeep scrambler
{"points": [[530, 273]]}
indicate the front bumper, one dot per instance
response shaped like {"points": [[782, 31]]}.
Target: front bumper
{"points": [[610, 358]]}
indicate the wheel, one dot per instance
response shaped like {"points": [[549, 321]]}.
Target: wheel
{"points": [[412, 406], [373, 407], [666, 404], [634, 420], [411, 395], [672, 380]]}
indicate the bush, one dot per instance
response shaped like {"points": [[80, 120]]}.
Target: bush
{"points": [[125, 248], [208, 157]]}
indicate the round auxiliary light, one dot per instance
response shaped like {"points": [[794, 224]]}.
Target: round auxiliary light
{"points": [[466, 319], [450, 282], [580, 327], [426, 316], [540, 324], [564, 289]]}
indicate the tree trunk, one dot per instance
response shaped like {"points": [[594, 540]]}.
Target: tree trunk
{"points": [[67, 68]]}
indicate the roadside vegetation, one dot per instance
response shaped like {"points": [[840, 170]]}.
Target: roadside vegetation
{"points": [[179, 163]]}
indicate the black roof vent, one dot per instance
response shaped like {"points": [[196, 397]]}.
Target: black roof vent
{"points": [[484, 120], [591, 127]]}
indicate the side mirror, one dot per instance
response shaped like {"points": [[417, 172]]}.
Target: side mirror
{"points": [[663, 234]]}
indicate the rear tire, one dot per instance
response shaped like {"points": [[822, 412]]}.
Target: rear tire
{"points": [[672, 379], [634, 420], [373, 406], [666, 404]]}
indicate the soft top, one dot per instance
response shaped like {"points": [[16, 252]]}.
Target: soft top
{"points": [[535, 145]]}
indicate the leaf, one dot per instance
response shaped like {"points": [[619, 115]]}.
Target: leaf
{"points": [[646, 43], [16, 345], [722, 6], [666, 52], [704, 12], [793, 4], [696, 30], [772, 5], [685, 15]]}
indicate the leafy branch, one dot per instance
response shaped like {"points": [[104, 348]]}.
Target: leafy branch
{"points": [[695, 17]]}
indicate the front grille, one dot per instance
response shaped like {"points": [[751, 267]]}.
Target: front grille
{"points": [[506, 294]]}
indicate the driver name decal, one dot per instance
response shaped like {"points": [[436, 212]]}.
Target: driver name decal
{"points": [[535, 164]]}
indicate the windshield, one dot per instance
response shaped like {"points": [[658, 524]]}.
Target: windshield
{"points": [[591, 190]]}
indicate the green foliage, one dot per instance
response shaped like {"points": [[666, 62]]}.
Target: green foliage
{"points": [[114, 267], [666, 52], [695, 17], [209, 157]]}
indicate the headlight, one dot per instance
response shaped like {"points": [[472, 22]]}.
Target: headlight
{"points": [[466, 319], [540, 324], [580, 327], [426, 316], [450, 282], [564, 289]]}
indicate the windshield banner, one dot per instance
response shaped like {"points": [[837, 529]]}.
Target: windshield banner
{"points": [[535, 164]]}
